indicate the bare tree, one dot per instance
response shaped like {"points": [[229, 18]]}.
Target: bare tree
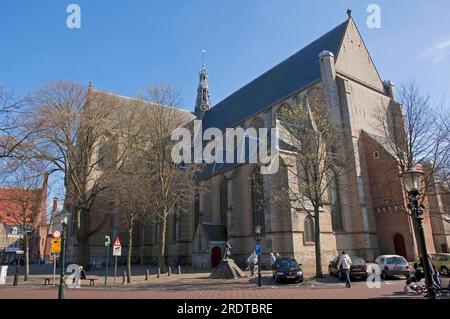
{"points": [[173, 188], [417, 133], [12, 132], [76, 139], [132, 195], [317, 160], [24, 200]]}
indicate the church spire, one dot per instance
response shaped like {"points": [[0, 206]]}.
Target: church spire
{"points": [[203, 102]]}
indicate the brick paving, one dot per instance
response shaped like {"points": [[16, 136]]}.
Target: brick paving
{"points": [[203, 288]]}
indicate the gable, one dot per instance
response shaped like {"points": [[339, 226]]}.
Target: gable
{"points": [[354, 59]]}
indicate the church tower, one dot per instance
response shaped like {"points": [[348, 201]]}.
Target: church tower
{"points": [[203, 102]]}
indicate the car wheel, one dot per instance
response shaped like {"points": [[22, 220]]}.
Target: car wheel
{"points": [[340, 276], [277, 281], [444, 271], [383, 275]]}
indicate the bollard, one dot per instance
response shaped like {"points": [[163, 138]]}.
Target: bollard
{"points": [[159, 273], [147, 272], [124, 278], [179, 269], [170, 271]]}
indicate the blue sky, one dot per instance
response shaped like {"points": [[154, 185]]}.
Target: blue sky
{"points": [[124, 46]]}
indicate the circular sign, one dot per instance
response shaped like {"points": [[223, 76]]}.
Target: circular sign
{"points": [[56, 234]]}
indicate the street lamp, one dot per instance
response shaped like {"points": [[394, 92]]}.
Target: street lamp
{"points": [[258, 251], [411, 180], [64, 216]]}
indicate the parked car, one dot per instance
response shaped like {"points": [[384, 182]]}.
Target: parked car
{"points": [[358, 268], [287, 269], [442, 262], [393, 265]]}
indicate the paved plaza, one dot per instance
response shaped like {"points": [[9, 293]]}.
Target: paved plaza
{"points": [[199, 286]]}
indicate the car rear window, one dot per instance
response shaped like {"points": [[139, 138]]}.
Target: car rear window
{"points": [[287, 263], [396, 261], [357, 260]]}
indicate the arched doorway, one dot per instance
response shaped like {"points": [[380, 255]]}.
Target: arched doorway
{"points": [[399, 245], [216, 254]]}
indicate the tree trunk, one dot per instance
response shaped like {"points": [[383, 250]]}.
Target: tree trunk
{"points": [[319, 273], [142, 243], [83, 240], [129, 254], [26, 249], [162, 245]]}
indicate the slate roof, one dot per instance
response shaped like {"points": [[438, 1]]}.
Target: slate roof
{"points": [[215, 232], [383, 142], [291, 75]]}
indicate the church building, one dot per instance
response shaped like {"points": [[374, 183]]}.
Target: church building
{"points": [[365, 213]]}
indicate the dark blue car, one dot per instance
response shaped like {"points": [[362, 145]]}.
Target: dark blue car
{"points": [[287, 269]]}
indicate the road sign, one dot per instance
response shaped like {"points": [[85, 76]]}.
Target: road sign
{"points": [[107, 241], [258, 250], [56, 234], [117, 242], [117, 247], [56, 246]]}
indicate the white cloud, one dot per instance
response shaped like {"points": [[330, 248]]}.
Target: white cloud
{"points": [[439, 52]]}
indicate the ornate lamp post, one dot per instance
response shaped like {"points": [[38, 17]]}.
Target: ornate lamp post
{"points": [[258, 251], [411, 180], [64, 216]]}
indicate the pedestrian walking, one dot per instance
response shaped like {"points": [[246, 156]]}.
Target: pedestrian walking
{"points": [[344, 265], [252, 261], [436, 277], [273, 258]]}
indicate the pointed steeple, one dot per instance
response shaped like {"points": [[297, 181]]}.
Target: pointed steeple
{"points": [[203, 102]]}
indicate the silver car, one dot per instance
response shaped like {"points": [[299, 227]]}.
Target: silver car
{"points": [[393, 265]]}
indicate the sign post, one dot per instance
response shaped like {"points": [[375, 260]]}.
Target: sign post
{"points": [[117, 251], [55, 249], [54, 269], [107, 244]]}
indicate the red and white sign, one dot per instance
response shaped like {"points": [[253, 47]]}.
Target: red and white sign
{"points": [[56, 234], [117, 247], [117, 242]]}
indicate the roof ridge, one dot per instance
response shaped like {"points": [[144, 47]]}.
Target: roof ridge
{"points": [[346, 22]]}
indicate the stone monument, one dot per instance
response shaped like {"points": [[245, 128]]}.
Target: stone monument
{"points": [[227, 268]]}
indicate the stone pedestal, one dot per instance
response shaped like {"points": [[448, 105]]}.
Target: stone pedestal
{"points": [[227, 269]]}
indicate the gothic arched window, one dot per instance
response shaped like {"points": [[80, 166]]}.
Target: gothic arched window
{"points": [[309, 230], [224, 201], [334, 198], [257, 192]]}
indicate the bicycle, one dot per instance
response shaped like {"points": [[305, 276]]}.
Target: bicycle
{"points": [[439, 293], [415, 287], [442, 293]]}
